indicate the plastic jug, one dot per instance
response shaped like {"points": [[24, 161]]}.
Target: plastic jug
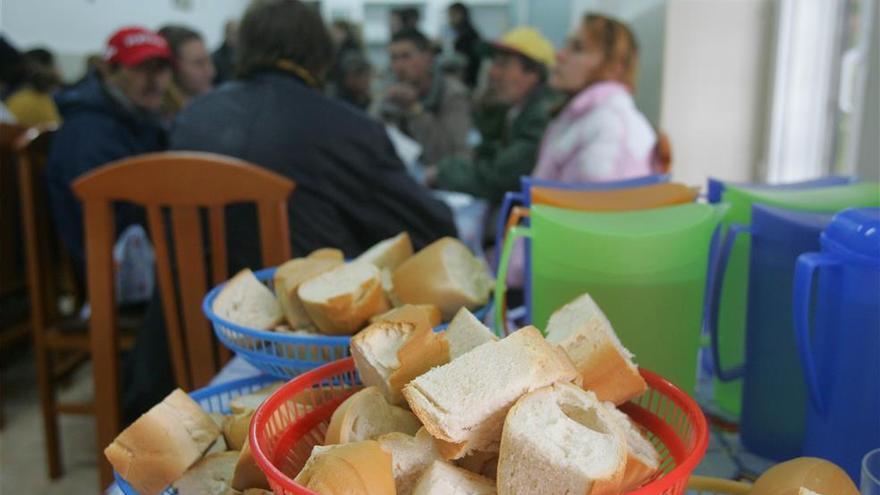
{"points": [[726, 316], [839, 343], [774, 394], [646, 269]]}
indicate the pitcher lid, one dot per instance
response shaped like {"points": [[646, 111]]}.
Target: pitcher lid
{"points": [[856, 230]]}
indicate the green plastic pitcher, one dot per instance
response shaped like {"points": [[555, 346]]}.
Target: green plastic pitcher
{"points": [[646, 269], [729, 323]]}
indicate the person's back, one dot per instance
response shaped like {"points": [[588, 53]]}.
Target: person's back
{"points": [[32, 103]]}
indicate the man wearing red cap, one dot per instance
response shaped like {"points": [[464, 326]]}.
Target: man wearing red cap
{"points": [[105, 120]]}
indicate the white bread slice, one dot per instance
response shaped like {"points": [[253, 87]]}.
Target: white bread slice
{"points": [[235, 429], [327, 254], [287, 279], [423, 315], [389, 253], [210, 476], [247, 474], [463, 403], [410, 456], [389, 355], [466, 332], [366, 415], [359, 468], [642, 459], [248, 403], [560, 439], [445, 274], [162, 444], [341, 300], [482, 463], [606, 366], [443, 478], [245, 301]]}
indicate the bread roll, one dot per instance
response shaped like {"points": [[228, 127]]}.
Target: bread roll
{"points": [[389, 253], [245, 301], [162, 444], [445, 274], [443, 478], [605, 366], [210, 476], [287, 279], [366, 415], [560, 439], [359, 468], [343, 299]]}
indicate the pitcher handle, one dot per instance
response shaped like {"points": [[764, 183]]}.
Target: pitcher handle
{"points": [[804, 272], [500, 323], [712, 309], [510, 198]]}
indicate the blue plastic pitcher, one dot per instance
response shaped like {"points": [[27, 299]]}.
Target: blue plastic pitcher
{"points": [[837, 327], [774, 394]]}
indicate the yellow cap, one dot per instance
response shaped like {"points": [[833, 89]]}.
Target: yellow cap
{"points": [[529, 42]]}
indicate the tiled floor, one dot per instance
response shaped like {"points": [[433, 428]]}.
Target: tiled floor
{"points": [[22, 452]]}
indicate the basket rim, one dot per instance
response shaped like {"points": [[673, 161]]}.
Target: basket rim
{"points": [[679, 474]]}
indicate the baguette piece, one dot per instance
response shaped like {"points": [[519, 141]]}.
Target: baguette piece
{"points": [[560, 439], [606, 366], [482, 463], [466, 332], [359, 468], [289, 276], [410, 456], [423, 315], [235, 429], [386, 277], [327, 253], [463, 403], [445, 274], [341, 300], [249, 403], [162, 444], [245, 301], [642, 459], [210, 476], [246, 473], [389, 253], [443, 478], [389, 355], [366, 415]]}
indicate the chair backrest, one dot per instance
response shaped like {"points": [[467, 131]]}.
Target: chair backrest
{"points": [[49, 268], [11, 275], [184, 183]]}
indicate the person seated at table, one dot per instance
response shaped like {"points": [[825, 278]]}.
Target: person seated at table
{"points": [[599, 135], [193, 68], [430, 107], [107, 119], [511, 122], [353, 81], [32, 103]]}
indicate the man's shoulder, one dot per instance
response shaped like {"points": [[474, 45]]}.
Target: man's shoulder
{"points": [[454, 87]]}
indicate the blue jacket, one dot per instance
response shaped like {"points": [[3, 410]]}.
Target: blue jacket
{"points": [[96, 130]]}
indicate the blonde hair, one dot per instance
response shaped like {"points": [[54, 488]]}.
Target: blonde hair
{"points": [[618, 46]]}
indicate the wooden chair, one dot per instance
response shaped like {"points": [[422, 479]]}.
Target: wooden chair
{"points": [[183, 183]]}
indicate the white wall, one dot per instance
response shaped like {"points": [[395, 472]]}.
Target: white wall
{"points": [[716, 73], [74, 28], [868, 165]]}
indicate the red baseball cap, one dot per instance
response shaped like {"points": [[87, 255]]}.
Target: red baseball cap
{"points": [[131, 46]]}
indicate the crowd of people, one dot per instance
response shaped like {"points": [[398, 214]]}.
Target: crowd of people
{"points": [[291, 94]]}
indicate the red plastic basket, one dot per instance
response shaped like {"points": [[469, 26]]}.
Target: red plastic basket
{"points": [[294, 419]]}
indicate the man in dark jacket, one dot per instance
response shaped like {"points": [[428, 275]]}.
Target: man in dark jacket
{"points": [[352, 189], [105, 121]]}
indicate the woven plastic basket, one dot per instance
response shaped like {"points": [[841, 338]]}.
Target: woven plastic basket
{"points": [[214, 399], [283, 431], [279, 354]]}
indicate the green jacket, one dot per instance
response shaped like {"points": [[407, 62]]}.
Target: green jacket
{"points": [[508, 151]]}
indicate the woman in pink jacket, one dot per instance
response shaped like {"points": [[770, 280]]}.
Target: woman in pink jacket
{"points": [[599, 135]]}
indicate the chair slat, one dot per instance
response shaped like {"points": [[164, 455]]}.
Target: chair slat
{"points": [[274, 232]]}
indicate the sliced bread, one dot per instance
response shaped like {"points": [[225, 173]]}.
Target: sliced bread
{"points": [[359, 468], [605, 365], [209, 476], [445, 274], [642, 459], [341, 300], [463, 403], [443, 478], [423, 315], [288, 277], [410, 456], [560, 439], [390, 354], [247, 474], [366, 415], [162, 444], [245, 301], [466, 332], [389, 253]]}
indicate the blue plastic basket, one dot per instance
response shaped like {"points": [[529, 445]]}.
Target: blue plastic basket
{"points": [[280, 354], [213, 399]]}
